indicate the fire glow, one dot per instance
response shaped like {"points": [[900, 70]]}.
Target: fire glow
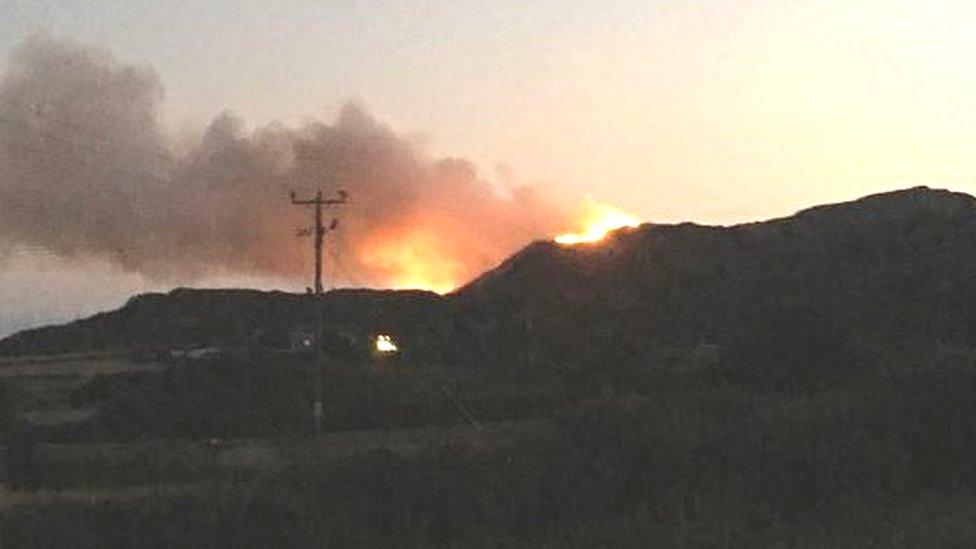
{"points": [[437, 253], [416, 258], [599, 220]]}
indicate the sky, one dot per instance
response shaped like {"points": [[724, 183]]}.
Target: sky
{"points": [[717, 111]]}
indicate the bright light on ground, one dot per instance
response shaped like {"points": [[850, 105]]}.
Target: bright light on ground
{"points": [[385, 344]]}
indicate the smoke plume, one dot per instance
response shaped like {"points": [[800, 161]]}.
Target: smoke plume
{"points": [[86, 171]]}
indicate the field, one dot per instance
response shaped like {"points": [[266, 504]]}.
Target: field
{"points": [[668, 455], [81, 367]]}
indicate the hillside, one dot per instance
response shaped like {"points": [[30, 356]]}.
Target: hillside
{"points": [[807, 380], [197, 317], [891, 270]]}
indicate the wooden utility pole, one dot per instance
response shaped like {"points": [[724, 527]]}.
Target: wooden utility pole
{"points": [[319, 202]]}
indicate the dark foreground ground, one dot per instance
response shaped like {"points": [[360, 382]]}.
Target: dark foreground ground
{"points": [[676, 452]]}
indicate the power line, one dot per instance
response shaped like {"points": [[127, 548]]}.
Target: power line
{"points": [[318, 202]]}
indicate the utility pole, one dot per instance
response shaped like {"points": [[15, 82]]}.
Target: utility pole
{"points": [[318, 202]]}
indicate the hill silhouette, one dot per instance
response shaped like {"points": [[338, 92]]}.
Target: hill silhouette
{"points": [[806, 380], [187, 317], [892, 271]]}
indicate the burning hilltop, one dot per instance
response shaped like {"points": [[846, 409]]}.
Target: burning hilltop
{"points": [[870, 268], [87, 172], [597, 221]]}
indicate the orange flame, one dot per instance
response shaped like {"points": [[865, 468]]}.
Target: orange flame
{"points": [[413, 259], [599, 220], [438, 253]]}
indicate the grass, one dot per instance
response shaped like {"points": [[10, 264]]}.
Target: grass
{"points": [[668, 460]]}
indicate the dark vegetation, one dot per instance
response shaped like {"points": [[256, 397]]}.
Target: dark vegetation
{"points": [[804, 382], [695, 460], [255, 397]]}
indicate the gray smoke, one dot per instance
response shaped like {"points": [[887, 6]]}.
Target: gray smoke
{"points": [[85, 171]]}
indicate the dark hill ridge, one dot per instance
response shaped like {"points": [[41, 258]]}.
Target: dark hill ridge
{"points": [[894, 269], [891, 269], [188, 317]]}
